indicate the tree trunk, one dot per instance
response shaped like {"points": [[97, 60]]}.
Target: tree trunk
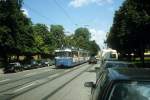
{"points": [[9, 59], [5, 60], [3, 56], [142, 54], [17, 58]]}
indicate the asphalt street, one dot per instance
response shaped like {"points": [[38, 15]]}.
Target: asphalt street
{"points": [[48, 83]]}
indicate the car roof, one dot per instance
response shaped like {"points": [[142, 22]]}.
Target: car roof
{"points": [[114, 61], [15, 63], [129, 73]]}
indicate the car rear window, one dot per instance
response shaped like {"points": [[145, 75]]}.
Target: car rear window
{"points": [[131, 91]]}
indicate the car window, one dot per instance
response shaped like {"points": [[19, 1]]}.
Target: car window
{"points": [[131, 91]]}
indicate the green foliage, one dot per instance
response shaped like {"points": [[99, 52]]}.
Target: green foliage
{"points": [[93, 48], [43, 39], [58, 35], [15, 29], [83, 33], [131, 28], [81, 39], [18, 36]]}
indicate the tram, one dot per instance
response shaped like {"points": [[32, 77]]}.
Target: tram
{"points": [[70, 57]]}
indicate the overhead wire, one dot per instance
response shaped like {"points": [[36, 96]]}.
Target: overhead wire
{"points": [[64, 11], [38, 13]]}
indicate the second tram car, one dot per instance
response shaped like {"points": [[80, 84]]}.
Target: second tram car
{"points": [[70, 57]]}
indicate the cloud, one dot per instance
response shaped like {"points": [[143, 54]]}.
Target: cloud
{"points": [[25, 11], [80, 3], [98, 35]]}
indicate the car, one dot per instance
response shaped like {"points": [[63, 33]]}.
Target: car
{"points": [[31, 65], [92, 60], [110, 64], [13, 67], [121, 84], [45, 63]]}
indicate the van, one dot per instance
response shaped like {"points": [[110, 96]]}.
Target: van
{"points": [[109, 54]]}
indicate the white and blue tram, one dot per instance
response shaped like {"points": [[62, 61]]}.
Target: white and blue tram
{"points": [[70, 57]]}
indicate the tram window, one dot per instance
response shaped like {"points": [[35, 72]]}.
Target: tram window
{"points": [[69, 54], [61, 54], [64, 54]]}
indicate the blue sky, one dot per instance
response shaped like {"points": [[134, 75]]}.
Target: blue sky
{"points": [[97, 15]]}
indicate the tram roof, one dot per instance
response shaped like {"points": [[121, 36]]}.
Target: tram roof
{"points": [[69, 50]]}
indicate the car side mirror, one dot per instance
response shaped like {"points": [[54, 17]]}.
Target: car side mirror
{"points": [[89, 84]]}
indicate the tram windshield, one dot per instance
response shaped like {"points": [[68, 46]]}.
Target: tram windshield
{"points": [[63, 54]]}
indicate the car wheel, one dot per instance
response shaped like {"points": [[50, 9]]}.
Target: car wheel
{"points": [[16, 70]]}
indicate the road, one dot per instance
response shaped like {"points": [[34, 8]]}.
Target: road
{"points": [[48, 83]]}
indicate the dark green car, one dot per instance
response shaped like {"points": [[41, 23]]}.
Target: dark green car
{"points": [[13, 67], [121, 84]]}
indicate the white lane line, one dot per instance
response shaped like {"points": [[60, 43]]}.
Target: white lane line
{"points": [[30, 74], [67, 70], [24, 87], [5, 80], [40, 81], [46, 70], [53, 75]]}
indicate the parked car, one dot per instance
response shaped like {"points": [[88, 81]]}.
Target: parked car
{"points": [[121, 84], [92, 60], [111, 64], [45, 63], [13, 67], [31, 65]]}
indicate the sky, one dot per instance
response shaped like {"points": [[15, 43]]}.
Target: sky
{"points": [[96, 15]]}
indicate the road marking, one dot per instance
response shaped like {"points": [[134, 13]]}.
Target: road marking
{"points": [[53, 75], [30, 74], [25, 87], [5, 80], [40, 81], [67, 70], [46, 70]]}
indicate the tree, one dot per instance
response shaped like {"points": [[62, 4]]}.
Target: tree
{"points": [[43, 39], [93, 48], [82, 37], [58, 35], [131, 27], [15, 30]]}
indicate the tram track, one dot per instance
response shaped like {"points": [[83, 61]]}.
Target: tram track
{"points": [[26, 80], [48, 78], [63, 85], [7, 81]]}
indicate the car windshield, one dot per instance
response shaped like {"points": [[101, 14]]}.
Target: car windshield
{"points": [[131, 91]]}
